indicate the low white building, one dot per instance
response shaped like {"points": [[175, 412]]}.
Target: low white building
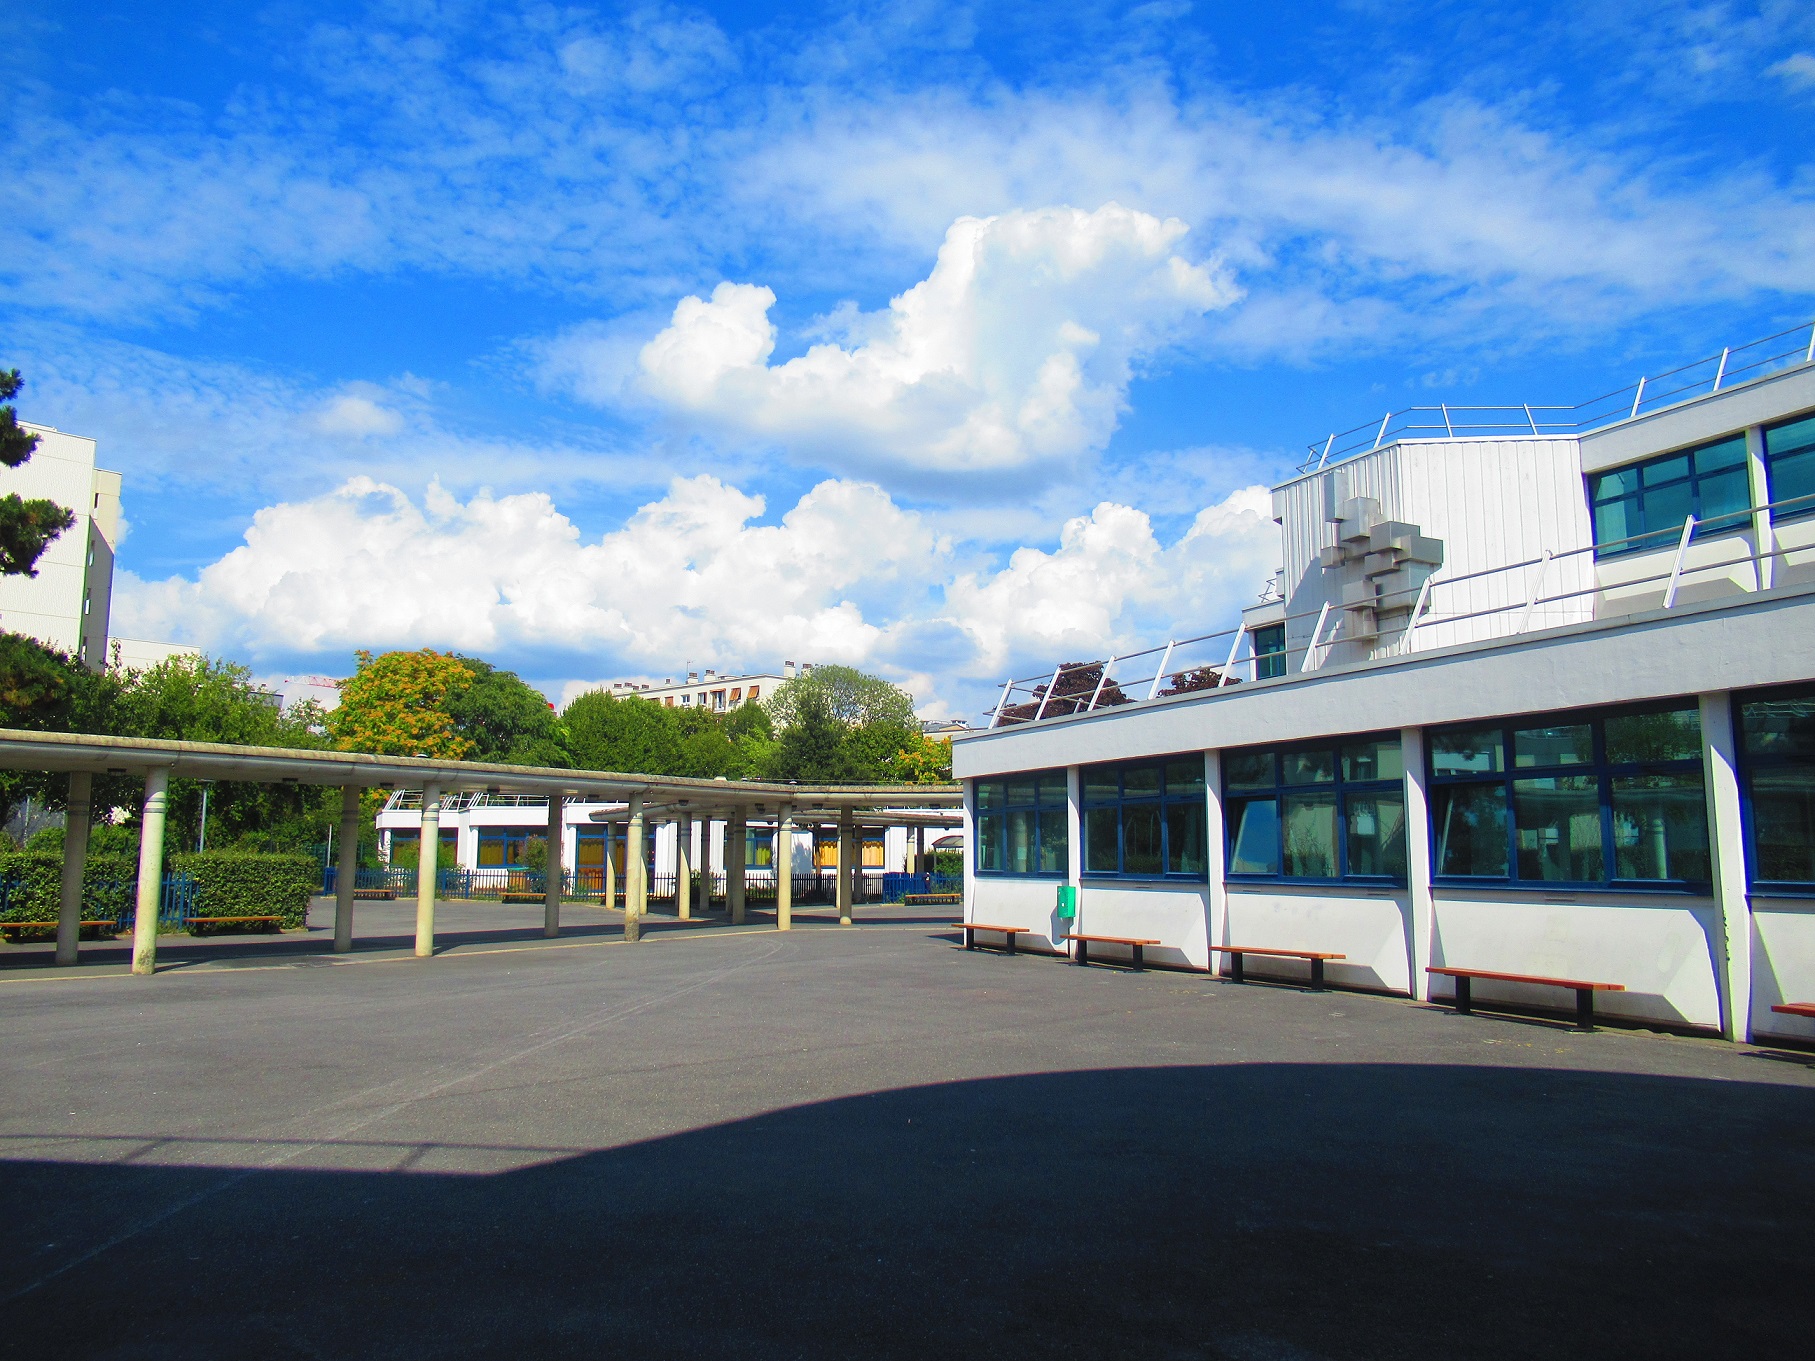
{"points": [[709, 689], [1534, 693], [67, 604]]}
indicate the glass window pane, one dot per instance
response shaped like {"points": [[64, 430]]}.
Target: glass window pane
{"points": [[1101, 847], [1185, 830], [1372, 760], [1184, 778], [1783, 824], [1477, 751], [1248, 769], [1307, 767], [1055, 838], [1470, 823], [1779, 727], [1728, 453], [1791, 478], [1310, 836], [1018, 855], [1725, 494], [1376, 834], [1660, 827], [491, 850], [1100, 784], [1672, 736], [1021, 793], [1667, 507], [1791, 435], [1141, 839], [1616, 520], [1141, 782], [1052, 791], [989, 795], [1558, 822], [1619, 482], [1567, 745], [1662, 470], [989, 843], [1253, 836]]}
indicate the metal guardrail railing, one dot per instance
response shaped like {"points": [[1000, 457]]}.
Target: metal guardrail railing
{"points": [[1212, 660], [1732, 366]]}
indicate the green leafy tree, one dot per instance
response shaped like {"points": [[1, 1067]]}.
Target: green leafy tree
{"points": [[814, 748], [846, 695], [397, 705], [46, 690], [26, 527], [630, 734], [506, 720]]}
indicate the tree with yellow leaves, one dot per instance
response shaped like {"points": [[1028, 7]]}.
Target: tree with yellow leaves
{"points": [[397, 705]]}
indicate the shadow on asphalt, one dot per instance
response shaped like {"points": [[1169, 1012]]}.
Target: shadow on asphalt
{"points": [[1253, 1212]]}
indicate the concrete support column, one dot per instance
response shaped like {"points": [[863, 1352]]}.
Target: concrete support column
{"points": [[428, 865], [554, 876], [636, 877], [151, 870], [346, 873], [919, 866], [1764, 533], [75, 860], [1074, 851], [1216, 858], [683, 867], [735, 848], [1727, 842], [846, 855], [784, 868], [611, 869], [966, 910], [1420, 913]]}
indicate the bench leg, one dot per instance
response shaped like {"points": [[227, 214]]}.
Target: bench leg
{"points": [[1584, 1008], [970, 938], [1317, 975], [1138, 964], [1462, 997], [1235, 968], [1082, 957], [1011, 943]]}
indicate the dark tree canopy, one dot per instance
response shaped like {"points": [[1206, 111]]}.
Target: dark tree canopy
{"points": [[507, 720], [26, 527]]}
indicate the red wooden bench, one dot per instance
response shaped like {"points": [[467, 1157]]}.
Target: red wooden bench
{"points": [[1317, 958], [1583, 989], [1009, 932], [1796, 1009], [1135, 944]]}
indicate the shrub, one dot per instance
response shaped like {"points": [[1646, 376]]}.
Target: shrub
{"points": [[31, 889], [238, 884]]}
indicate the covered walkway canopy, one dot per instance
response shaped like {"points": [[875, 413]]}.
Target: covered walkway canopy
{"points": [[83, 756]]}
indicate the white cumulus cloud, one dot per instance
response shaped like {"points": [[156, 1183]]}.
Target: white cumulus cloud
{"points": [[1017, 349]]}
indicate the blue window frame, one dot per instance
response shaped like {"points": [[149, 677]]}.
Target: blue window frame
{"points": [[1588, 800], [1023, 826], [1777, 756], [505, 845], [1329, 811], [1646, 503], [1146, 820], [1790, 466], [1269, 651]]}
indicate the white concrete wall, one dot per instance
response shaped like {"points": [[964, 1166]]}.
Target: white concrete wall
{"points": [[1176, 915], [1028, 903], [1366, 925], [1783, 965], [50, 606]]}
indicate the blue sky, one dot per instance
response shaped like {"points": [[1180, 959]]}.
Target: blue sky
{"points": [[944, 341]]}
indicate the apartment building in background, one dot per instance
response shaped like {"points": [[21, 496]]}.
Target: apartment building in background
{"points": [[68, 603], [709, 690]]}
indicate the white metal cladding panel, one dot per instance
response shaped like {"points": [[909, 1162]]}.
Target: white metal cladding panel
{"points": [[1008, 901], [1369, 929], [1662, 952], [1306, 507], [1494, 503], [1783, 965], [1175, 915]]}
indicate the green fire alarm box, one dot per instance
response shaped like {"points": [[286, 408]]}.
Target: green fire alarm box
{"points": [[1068, 902]]}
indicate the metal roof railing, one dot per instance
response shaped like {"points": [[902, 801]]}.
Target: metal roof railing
{"points": [[1653, 392]]}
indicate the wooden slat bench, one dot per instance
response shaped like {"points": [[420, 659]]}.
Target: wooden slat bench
{"points": [[1583, 989], [193, 922], [374, 895], [931, 899], [1135, 944], [1796, 1009], [522, 896], [1316, 957], [44, 926], [1008, 932]]}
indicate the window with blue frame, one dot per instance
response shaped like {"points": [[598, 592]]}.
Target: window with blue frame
{"points": [[1642, 507], [1330, 811], [1023, 824], [1269, 652], [1790, 466], [1146, 820], [1598, 799], [505, 845], [1777, 753]]}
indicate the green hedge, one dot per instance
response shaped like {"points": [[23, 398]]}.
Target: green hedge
{"points": [[33, 887], [242, 884]]}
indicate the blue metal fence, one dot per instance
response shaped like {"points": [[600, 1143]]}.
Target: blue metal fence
{"points": [[895, 887]]}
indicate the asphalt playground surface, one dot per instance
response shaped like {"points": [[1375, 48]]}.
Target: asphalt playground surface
{"points": [[856, 1142]]}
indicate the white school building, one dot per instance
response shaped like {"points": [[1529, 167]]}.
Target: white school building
{"points": [[1533, 693]]}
